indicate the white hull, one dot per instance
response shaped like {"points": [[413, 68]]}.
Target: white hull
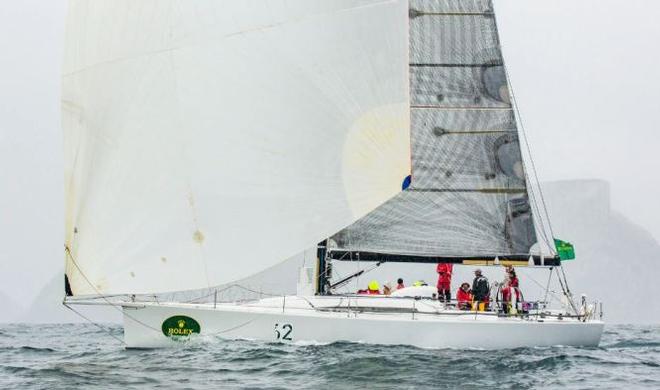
{"points": [[295, 320]]}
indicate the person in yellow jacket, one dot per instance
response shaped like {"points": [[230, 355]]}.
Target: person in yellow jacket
{"points": [[372, 289]]}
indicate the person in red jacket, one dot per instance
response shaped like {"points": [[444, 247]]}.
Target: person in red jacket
{"points": [[513, 278], [464, 297], [511, 281], [444, 281]]}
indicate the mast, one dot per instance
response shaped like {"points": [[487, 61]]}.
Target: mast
{"points": [[323, 277]]}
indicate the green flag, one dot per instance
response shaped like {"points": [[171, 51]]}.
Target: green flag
{"points": [[565, 250]]}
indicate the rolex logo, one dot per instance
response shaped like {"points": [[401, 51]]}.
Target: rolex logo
{"points": [[180, 327]]}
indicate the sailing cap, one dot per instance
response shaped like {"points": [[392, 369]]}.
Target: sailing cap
{"points": [[373, 285], [477, 271]]}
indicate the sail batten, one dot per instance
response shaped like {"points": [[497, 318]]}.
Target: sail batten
{"points": [[449, 65], [483, 190], [463, 108], [468, 194]]}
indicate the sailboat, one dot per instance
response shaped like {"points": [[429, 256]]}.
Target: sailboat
{"points": [[207, 141]]}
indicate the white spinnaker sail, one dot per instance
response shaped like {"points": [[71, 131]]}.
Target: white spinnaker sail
{"points": [[208, 140]]}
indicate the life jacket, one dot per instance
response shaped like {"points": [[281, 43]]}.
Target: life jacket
{"points": [[444, 274], [514, 282], [463, 296], [506, 294]]}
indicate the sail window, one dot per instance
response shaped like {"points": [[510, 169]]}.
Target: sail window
{"points": [[495, 84], [508, 158]]}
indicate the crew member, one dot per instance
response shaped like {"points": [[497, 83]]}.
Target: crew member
{"points": [[374, 288], [444, 281], [387, 288], [464, 296], [480, 290], [399, 284], [512, 281]]}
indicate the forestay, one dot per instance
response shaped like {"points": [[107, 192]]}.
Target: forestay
{"points": [[468, 196], [208, 140]]}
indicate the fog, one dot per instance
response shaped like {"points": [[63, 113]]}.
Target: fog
{"points": [[583, 73]]}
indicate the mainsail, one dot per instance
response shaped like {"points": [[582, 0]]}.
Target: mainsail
{"points": [[468, 195], [208, 140]]}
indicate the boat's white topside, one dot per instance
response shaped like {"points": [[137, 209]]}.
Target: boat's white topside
{"points": [[360, 318]]}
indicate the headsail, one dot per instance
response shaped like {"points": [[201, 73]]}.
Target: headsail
{"points": [[468, 196], [206, 141]]}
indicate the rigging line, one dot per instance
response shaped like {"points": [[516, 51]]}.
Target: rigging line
{"points": [[255, 291], [309, 302], [197, 299], [243, 288], [565, 279], [357, 279], [340, 276], [522, 128], [115, 306], [531, 192], [547, 287], [553, 294], [529, 152], [524, 134], [94, 323], [213, 291], [567, 293], [342, 283]]}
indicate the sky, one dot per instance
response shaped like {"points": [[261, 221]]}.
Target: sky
{"points": [[584, 74]]}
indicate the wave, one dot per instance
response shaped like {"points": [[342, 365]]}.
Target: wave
{"points": [[633, 344], [89, 358]]}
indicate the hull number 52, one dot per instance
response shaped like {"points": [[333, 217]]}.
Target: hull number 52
{"points": [[283, 332]]}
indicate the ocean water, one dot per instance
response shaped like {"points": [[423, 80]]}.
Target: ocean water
{"points": [[81, 356]]}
